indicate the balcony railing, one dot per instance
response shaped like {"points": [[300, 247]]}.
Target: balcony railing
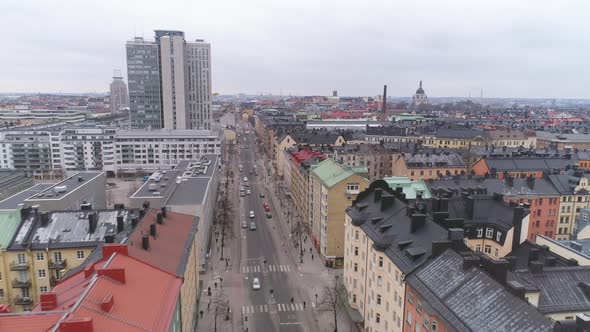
{"points": [[21, 284], [57, 265], [23, 300], [14, 266]]}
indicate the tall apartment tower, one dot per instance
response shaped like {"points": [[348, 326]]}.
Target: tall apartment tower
{"points": [[169, 82], [119, 96]]}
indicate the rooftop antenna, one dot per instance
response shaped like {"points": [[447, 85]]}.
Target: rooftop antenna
{"points": [[481, 94]]}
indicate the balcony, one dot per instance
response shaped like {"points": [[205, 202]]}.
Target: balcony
{"points": [[21, 284], [14, 266], [23, 300], [57, 265], [53, 281]]}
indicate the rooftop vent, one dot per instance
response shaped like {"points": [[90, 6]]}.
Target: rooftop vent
{"points": [[145, 242]]}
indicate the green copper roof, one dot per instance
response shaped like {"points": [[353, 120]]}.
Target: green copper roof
{"points": [[9, 222], [409, 187], [331, 172]]}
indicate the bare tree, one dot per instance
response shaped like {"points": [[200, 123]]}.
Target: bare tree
{"points": [[224, 220], [110, 199], [220, 305], [332, 300]]}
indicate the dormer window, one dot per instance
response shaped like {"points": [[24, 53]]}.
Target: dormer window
{"points": [[479, 232], [498, 236], [489, 232]]}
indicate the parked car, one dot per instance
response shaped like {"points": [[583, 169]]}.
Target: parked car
{"points": [[245, 179], [252, 226], [244, 224], [268, 215], [266, 207], [261, 195], [248, 192], [251, 214]]}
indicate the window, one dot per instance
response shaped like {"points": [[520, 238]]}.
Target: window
{"points": [[397, 277], [0, 276], [378, 299], [353, 298], [487, 249], [426, 322], [41, 273], [356, 235], [479, 232], [80, 254], [419, 307], [57, 257], [352, 188], [498, 236], [356, 267], [409, 318], [40, 256], [410, 297], [380, 261], [43, 289], [489, 232], [478, 247], [378, 318], [356, 251], [22, 260], [379, 281], [434, 326], [1, 293], [496, 252]]}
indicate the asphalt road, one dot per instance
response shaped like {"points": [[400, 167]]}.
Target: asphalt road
{"points": [[266, 312]]}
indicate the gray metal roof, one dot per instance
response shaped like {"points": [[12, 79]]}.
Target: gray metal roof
{"points": [[471, 300], [71, 184], [13, 201]]}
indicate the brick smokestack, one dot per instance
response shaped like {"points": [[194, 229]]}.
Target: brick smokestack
{"points": [[384, 110]]}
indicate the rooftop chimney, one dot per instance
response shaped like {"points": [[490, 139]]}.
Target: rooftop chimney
{"points": [[110, 249], [163, 210], [48, 301], [119, 206], [377, 194], [109, 238], [456, 234], [153, 230], [536, 267], [530, 182], [444, 205], [106, 304], [73, 324], [146, 205], [470, 207], [120, 224], [92, 222], [80, 179], [145, 242], [44, 219], [470, 261], [384, 110], [85, 206], [117, 274], [387, 201], [134, 221], [417, 221], [159, 218]]}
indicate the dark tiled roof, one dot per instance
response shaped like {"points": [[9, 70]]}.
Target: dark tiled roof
{"points": [[527, 164], [520, 187], [486, 210], [471, 300], [390, 228], [563, 288], [420, 160], [460, 133]]}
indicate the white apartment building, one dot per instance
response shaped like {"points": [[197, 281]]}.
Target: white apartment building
{"points": [[88, 149], [150, 150]]}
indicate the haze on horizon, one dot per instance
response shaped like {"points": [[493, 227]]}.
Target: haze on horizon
{"points": [[528, 49]]}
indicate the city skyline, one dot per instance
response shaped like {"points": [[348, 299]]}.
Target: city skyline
{"points": [[508, 50]]}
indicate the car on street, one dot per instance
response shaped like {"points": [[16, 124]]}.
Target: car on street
{"points": [[251, 214], [244, 224], [251, 172], [255, 283], [242, 194], [248, 192], [266, 207], [245, 179], [268, 215], [252, 226], [261, 195]]}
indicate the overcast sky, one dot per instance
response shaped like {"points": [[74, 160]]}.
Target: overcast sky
{"points": [[524, 48]]}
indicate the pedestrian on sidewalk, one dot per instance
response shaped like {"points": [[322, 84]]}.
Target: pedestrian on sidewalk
{"points": [[309, 250], [208, 305], [215, 285], [201, 312], [303, 305], [312, 257], [292, 300], [209, 290]]}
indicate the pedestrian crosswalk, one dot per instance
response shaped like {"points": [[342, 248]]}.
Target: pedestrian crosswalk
{"points": [[262, 308], [265, 268]]}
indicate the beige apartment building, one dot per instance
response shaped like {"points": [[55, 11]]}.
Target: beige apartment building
{"points": [[333, 187], [385, 239], [574, 193]]}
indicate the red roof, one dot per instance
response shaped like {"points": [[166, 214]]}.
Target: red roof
{"points": [[172, 242], [36, 322], [305, 154], [117, 293]]}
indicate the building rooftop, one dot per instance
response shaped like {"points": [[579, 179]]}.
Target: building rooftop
{"points": [[513, 164], [563, 138], [29, 322], [118, 293], [167, 133], [60, 190], [423, 160], [331, 172], [471, 300], [459, 133], [170, 249], [409, 187], [12, 202], [562, 288], [69, 229], [507, 187], [406, 238]]}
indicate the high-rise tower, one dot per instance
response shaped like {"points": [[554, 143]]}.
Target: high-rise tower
{"points": [[119, 96], [169, 82]]}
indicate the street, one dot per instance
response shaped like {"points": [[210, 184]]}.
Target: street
{"points": [[286, 300]]}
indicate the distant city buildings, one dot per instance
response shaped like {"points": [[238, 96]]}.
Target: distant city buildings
{"points": [[119, 95], [169, 82]]}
